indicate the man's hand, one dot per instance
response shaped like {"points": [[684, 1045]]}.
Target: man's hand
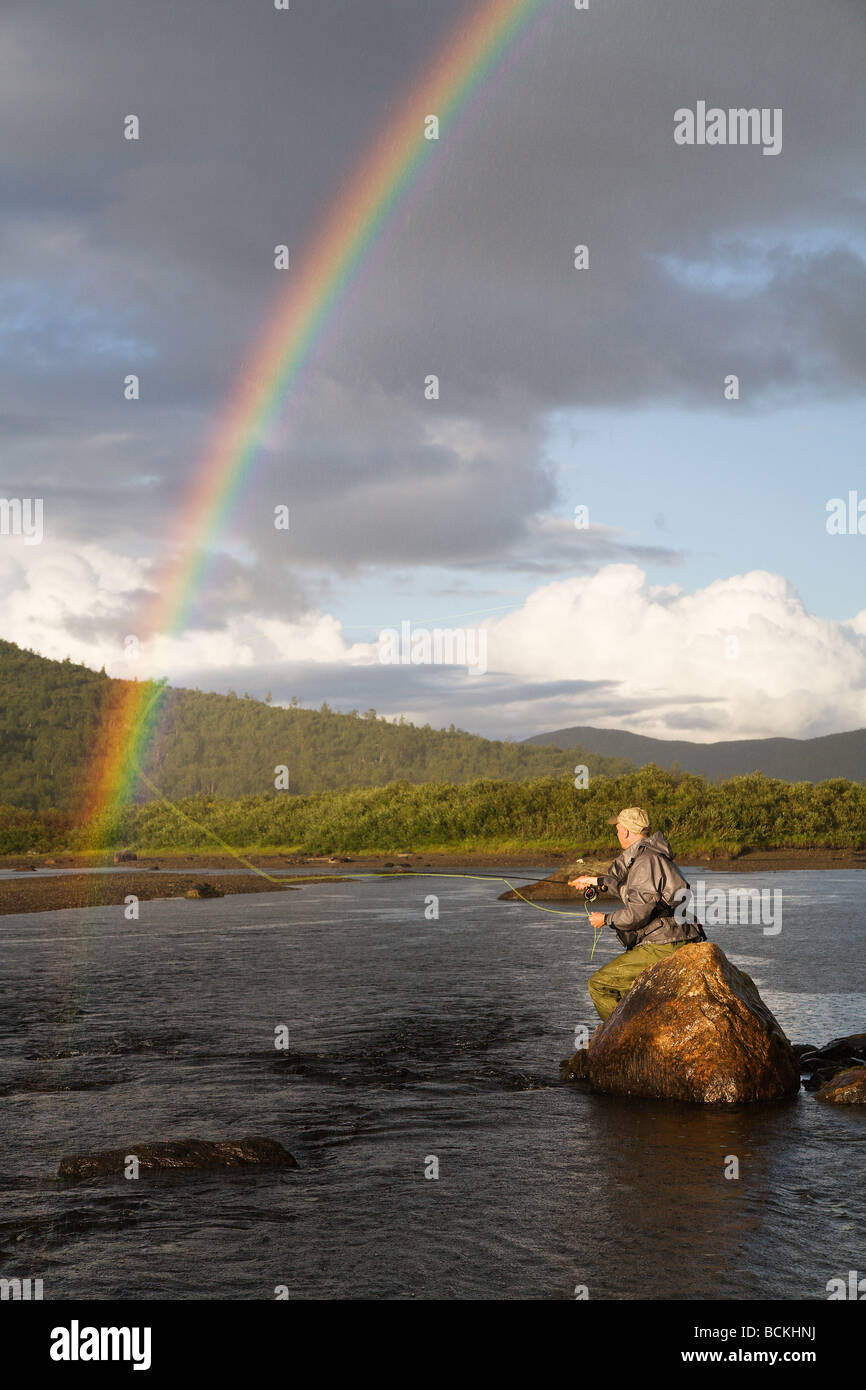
{"points": [[583, 882], [596, 919]]}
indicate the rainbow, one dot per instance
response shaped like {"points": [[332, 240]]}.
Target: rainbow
{"points": [[337, 251]]}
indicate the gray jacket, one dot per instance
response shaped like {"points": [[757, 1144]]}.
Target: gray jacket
{"points": [[650, 886]]}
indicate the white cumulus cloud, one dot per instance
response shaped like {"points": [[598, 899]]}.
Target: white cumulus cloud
{"points": [[739, 658]]}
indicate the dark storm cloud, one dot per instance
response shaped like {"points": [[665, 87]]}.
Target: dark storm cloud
{"points": [[155, 257]]}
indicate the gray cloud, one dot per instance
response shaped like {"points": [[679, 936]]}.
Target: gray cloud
{"points": [[155, 257]]}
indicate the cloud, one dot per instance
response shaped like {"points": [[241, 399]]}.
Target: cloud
{"points": [[738, 658], [156, 257]]}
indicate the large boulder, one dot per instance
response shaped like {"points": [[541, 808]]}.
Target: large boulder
{"points": [[846, 1088], [170, 1155], [693, 1027], [555, 887]]}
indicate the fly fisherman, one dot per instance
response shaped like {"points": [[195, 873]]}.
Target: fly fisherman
{"points": [[650, 886]]}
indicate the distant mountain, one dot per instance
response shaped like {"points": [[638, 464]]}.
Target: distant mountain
{"points": [[53, 717], [791, 759]]}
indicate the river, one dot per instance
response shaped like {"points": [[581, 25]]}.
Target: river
{"points": [[416, 1045]]}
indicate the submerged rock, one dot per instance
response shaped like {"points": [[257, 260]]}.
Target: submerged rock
{"points": [[203, 890], [845, 1088], [556, 886], [694, 1028], [170, 1155]]}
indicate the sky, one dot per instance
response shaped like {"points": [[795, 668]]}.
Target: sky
{"points": [[632, 547]]}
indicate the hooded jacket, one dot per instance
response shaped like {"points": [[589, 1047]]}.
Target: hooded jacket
{"points": [[650, 886]]}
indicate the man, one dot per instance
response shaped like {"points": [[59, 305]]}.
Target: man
{"points": [[650, 886]]}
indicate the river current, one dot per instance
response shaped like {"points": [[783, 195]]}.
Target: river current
{"points": [[439, 1155]]}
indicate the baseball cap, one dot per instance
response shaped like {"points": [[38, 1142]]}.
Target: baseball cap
{"points": [[634, 819]]}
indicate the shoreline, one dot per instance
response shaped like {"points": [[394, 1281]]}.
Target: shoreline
{"points": [[32, 891]]}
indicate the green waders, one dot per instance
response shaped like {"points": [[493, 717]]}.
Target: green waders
{"points": [[614, 980]]}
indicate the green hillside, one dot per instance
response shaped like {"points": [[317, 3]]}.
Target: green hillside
{"points": [[52, 716]]}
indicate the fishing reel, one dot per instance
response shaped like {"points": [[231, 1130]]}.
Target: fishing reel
{"points": [[591, 892]]}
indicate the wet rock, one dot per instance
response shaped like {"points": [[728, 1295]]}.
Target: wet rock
{"points": [[820, 1065], [125, 856], [575, 1068], [203, 890], [845, 1088], [816, 1079], [195, 1155], [839, 1050], [555, 887], [693, 1028]]}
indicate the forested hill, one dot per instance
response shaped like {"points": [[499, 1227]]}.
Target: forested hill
{"points": [[789, 759], [52, 717]]}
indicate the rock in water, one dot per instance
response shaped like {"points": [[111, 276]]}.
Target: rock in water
{"points": [[203, 890], [854, 1045], [846, 1088], [555, 888], [191, 1154], [820, 1064], [694, 1028], [574, 1068]]}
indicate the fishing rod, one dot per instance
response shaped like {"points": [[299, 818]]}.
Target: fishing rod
{"points": [[408, 871], [590, 893]]}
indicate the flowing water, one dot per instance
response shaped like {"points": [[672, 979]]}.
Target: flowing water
{"points": [[412, 1043]]}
